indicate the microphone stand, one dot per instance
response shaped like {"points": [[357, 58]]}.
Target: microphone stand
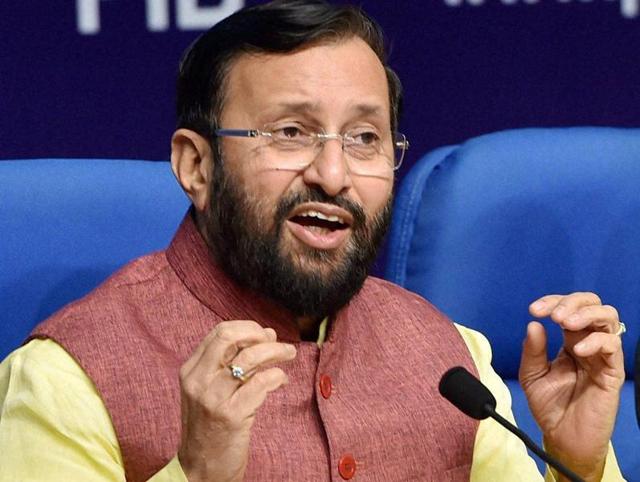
{"points": [[556, 464]]}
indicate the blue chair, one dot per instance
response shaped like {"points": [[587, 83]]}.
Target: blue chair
{"points": [[483, 228], [67, 224]]}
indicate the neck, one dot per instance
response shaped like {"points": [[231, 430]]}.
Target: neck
{"points": [[308, 328]]}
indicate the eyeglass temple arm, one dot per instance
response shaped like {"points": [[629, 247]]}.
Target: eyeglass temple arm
{"points": [[237, 132]]}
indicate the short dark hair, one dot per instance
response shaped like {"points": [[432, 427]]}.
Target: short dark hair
{"points": [[279, 26]]}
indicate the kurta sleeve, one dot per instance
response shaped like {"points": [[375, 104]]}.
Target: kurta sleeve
{"points": [[53, 424], [498, 454]]}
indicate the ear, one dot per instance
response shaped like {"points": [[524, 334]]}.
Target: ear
{"points": [[192, 163]]}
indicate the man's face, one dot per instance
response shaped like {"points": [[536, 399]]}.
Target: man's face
{"points": [[304, 236]]}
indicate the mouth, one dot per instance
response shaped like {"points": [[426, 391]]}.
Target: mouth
{"points": [[321, 226]]}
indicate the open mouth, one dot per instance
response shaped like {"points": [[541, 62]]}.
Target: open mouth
{"points": [[319, 225], [318, 222]]}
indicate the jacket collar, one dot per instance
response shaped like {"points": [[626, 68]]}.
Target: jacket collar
{"points": [[190, 258]]}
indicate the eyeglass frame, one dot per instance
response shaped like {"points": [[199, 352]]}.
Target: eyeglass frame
{"points": [[321, 137]]}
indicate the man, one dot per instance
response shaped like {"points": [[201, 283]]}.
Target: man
{"points": [[255, 347]]}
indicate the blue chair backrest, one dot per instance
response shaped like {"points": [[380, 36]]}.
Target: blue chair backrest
{"points": [[483, 228], [67, 224]]}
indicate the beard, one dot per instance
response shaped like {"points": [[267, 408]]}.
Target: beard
{"points": [[310, 282]]}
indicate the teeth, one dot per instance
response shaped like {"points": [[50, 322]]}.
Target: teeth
{"points": [[316, 214]]}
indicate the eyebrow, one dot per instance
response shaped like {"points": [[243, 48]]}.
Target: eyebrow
{"points": [[308, 107], [368, 109], [298, 107]]}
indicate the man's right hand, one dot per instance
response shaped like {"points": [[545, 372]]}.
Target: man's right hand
{"points": [[218, 410]]}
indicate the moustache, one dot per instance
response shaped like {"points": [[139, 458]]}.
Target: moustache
{"points": [[315, 194]]}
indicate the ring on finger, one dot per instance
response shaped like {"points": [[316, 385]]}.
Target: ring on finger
{"points": [[621, 329], [238, 373]]}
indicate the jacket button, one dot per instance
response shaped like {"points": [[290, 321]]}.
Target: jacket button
{"points": [[325, 386], [347, 466]]}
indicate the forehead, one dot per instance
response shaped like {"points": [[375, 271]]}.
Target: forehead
{"points": [[331, 79]]}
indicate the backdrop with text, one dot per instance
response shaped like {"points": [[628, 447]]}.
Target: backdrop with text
{"points": [[95, 78]]}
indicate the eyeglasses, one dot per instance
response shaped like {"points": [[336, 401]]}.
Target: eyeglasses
{"points": [[366, 152]]}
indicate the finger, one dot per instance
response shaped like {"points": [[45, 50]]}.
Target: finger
{"points": [[595, 318], [250, 325], [598, 343], [222, 384], [250, 396], [534, 363], [226, 339], [543, 307], [572, 304], [262, 354], [560, 307]]}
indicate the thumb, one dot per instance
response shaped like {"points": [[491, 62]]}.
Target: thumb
{"points": [[534, 363]]}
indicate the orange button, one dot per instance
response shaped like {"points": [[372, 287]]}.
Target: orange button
{"points": [[325, 386], [347, 466]]}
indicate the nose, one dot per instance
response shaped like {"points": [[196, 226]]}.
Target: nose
{"points": [[329, 168]]}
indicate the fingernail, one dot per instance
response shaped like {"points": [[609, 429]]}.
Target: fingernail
{"points": [[291, 348], [538, 305]]}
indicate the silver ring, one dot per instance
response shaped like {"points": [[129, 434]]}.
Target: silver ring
{"points": [[621, 329], [237, 373]]}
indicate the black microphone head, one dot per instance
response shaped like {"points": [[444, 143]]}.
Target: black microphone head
{"points": [[466, 392]]}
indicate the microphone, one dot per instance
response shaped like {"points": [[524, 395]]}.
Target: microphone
{"points": [[471, 397]]}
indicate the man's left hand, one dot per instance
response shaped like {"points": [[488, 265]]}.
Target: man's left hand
{"points": [[575, 398]]}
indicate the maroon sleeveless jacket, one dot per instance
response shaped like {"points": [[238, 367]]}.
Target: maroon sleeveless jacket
{"points": [[378, 368]]}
